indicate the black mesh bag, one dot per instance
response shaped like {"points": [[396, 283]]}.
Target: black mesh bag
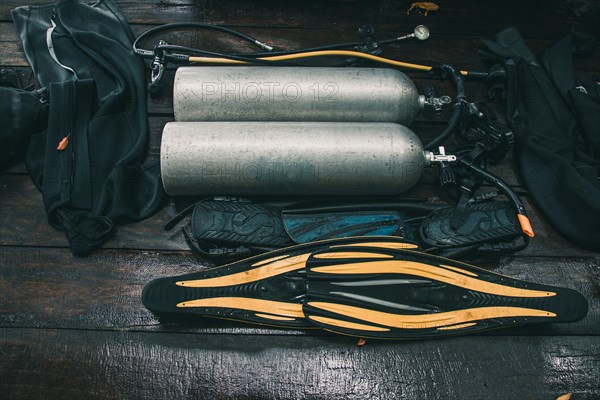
{"points": [[556, 120]]}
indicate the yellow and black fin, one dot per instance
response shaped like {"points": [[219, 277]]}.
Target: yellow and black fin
{"points": [[398, 293], [379, 287]]}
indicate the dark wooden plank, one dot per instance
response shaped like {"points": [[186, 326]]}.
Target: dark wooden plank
{"points": [[459, 50], [94, 365], [436, 49], [535, 19], [49, 288]]}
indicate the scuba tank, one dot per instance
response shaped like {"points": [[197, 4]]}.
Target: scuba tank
{"points": [[299, 158], [268, 93]]}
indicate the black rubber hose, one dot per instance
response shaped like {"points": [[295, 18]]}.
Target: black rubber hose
{"points": [[198, 25], [450, 128], [497, 182], [182, 25], [170, 47], [459, 103]]}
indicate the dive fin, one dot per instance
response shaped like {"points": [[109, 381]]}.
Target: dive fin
{"points": [[221, 227], [380, 287], [402, 294]]}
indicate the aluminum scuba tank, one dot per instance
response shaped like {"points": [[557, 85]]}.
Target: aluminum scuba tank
{"points": [[266, 93], [283, 158]]}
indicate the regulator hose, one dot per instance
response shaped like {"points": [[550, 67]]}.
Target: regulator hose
{"points": [[505, 189], [460, 102], [167, 53]]}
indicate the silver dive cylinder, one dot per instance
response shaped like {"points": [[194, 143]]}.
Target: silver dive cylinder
{"points": [[289, 158], [265, 93]]}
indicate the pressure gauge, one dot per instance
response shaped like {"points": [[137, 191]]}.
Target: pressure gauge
{"points": [[421, 32]]}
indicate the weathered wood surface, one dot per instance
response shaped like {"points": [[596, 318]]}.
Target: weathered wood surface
{"points": [[536, 18], [124, 365], [460, 50], [76, 327], [464, 54]]}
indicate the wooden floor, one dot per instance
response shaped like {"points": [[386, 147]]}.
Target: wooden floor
{"points": [[76, 328]]}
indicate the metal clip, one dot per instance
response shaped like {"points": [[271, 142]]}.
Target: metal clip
{"points": [[263, 46], [157, 66]]}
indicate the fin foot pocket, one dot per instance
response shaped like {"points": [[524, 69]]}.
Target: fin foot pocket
{"points": [[231, 222], [491, 225]]}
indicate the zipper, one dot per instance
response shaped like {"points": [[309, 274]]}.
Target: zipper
{"points": [[50, 46], [73, 115]]}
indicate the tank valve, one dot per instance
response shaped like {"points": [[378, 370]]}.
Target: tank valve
{"points": [[440, 157], [435, 104]]}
